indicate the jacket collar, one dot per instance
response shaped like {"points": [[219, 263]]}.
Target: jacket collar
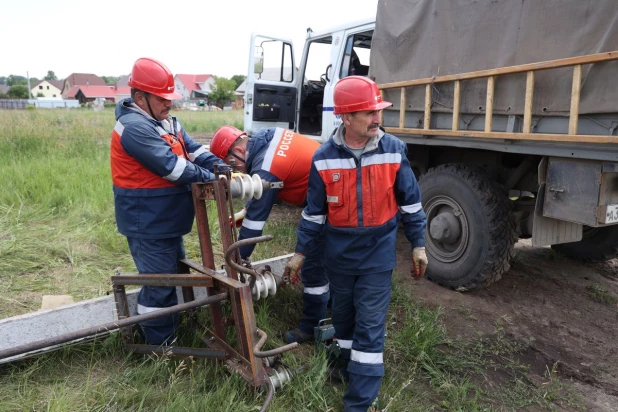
{"points": [[166, 124], [372, 144]]}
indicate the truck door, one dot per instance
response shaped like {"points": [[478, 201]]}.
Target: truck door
{"points": [[316, 70], [350, 57], [270, 93]]}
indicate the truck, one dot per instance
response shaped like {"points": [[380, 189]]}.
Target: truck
{"points": [[508, 108]]}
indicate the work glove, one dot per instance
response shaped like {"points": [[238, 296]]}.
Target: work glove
{"points": [[419, 262], [292, 268], [238, 217]]}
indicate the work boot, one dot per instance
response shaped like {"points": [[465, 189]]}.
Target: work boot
{"points": [[297, 335]]}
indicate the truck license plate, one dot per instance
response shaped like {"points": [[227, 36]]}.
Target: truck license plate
{"points": [[611, 214]]}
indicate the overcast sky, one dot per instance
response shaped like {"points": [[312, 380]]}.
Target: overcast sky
{"points": [[189, 36]]}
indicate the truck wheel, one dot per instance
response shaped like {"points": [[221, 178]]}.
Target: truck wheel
{"points": [[471, 230], [597, 244]]}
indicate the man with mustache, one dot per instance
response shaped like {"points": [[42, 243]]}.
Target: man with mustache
{"points": [[153, 162], [360, 187]]}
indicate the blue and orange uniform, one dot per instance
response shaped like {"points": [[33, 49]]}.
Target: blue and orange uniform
{"points": [[359, 202], [153, 164], [281, 155]]}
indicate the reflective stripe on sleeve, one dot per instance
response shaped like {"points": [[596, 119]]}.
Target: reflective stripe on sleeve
{"points": [[366, 357], [201, 150], [381, 159], [320, 290], [319, 219], [181, 163], [119, 128], [416, 207], [145, 309], [253, 224], [329, 164], [272, 149], [344, 344]]}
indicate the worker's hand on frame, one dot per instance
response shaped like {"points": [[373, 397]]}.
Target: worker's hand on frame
{"points": [[238, 217], [419, 262], [292, 268]]}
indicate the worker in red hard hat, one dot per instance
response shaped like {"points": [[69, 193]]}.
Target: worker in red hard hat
{"points": [[361, 186], [153, 162], [279, 155]]}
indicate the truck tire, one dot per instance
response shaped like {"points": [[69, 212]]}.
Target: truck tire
{"points": [[471, 230], [598, 244]]}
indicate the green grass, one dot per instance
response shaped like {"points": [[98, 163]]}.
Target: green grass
{"points": [[58, 236], [599, 294], [57, 226]]}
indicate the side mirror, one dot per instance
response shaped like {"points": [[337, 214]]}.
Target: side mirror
{"points": [[258, 60]]}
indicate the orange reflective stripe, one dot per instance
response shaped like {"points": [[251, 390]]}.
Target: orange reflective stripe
{"points": [[128, 173], [379, 202], [341, 197]]}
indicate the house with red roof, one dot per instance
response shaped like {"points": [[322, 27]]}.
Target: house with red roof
{"points": [[194, 86], [88, 94], [122, 92], [80, 79]]}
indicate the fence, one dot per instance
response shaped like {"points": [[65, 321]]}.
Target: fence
{"points": [[53, 104], [13, 104], [39, 104]]}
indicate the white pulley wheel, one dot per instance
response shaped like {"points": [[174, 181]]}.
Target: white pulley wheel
{"points": [[258, 188]]}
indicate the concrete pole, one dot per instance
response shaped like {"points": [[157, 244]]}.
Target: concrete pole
{"points": [[29, 91]]}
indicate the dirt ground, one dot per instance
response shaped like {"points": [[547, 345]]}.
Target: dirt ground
{"points": [[564, 312]]}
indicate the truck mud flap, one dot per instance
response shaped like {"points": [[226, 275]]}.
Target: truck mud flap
{"points": [[548, 231]]}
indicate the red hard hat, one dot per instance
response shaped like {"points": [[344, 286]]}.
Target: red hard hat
{"points": [[357, 93], [224, 138], [152, 76]]}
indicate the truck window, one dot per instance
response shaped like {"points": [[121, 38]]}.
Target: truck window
{"points": [[318, 58], [273, 60], [314, 80], [357, 53]]}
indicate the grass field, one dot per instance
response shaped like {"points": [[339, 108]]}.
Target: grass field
{"points": [[58, 236]]}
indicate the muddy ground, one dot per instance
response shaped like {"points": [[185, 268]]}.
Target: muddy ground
{"points": [[563, 311]]}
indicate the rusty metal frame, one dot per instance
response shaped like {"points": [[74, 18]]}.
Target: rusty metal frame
{"points": [[240, 357]]}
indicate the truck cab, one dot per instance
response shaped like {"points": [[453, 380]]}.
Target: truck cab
{"points": [[281, 94]]}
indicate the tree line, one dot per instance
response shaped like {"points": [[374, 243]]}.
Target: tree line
{"points": [[18, 85], [222, 92]]}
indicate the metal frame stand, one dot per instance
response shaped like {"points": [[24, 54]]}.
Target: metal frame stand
{"points": [[245, 356]]}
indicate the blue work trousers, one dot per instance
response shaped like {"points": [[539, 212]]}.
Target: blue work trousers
{"points": [[157, 256], [316, 292], [359, 306]]}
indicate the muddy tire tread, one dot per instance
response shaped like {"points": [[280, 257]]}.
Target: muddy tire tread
{"points": [[498, 209]]}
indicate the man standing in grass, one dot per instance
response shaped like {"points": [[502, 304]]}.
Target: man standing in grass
{"points": [[278, 155], [360, 187], [154, 161]]}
